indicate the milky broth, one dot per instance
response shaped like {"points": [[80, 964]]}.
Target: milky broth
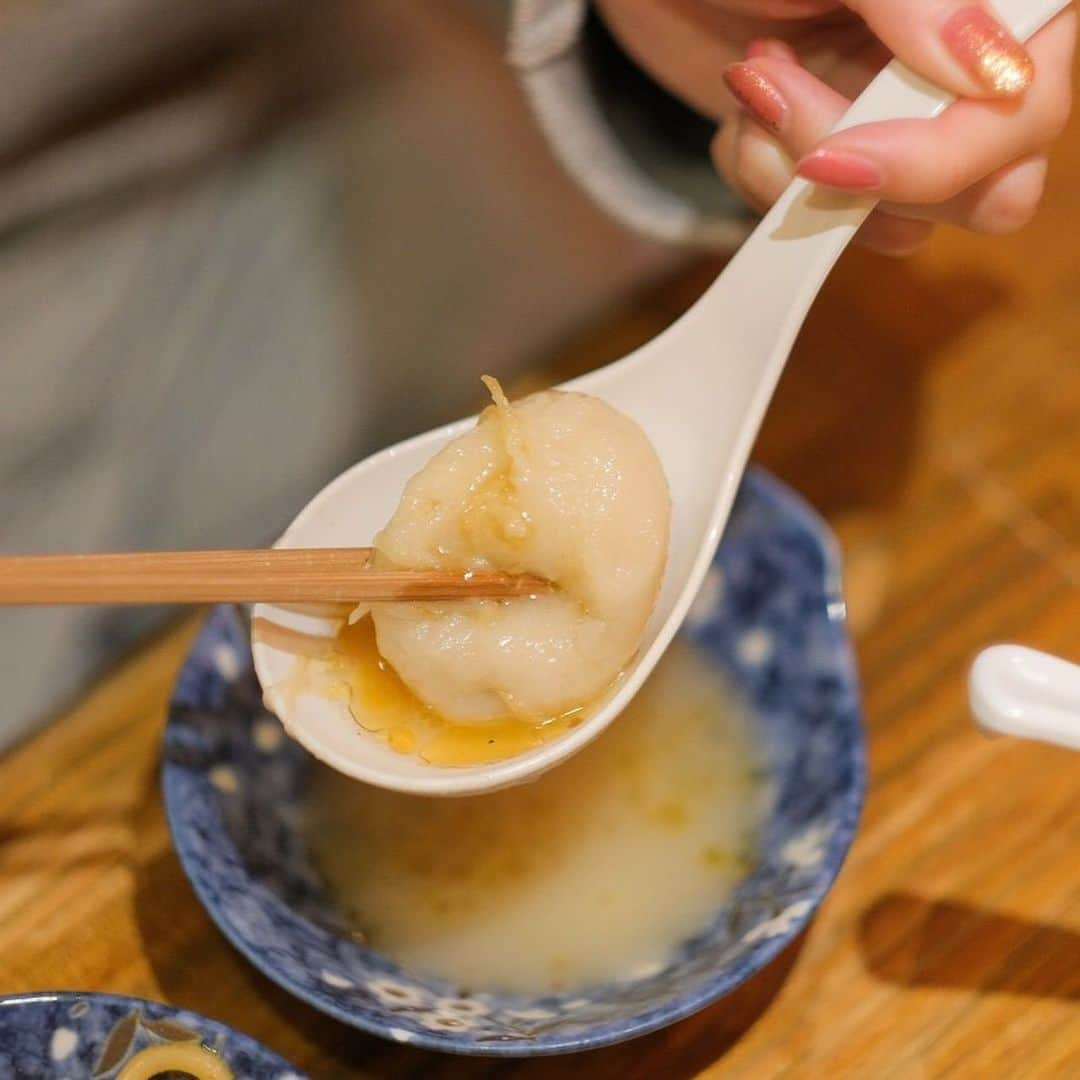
{"points": [[595, 871]]}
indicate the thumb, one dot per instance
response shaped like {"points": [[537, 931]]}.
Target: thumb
{"points": [[959, 45]]}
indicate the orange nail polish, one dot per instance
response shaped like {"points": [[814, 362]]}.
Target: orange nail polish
{"points": [[988, 51], [755, 93]]}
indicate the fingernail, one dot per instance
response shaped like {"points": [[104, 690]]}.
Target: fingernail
{"points": [[841, 169], [755, 93], [988, 51]]}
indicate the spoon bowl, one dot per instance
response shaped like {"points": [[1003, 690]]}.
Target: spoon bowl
{"points": [[699, 391]]}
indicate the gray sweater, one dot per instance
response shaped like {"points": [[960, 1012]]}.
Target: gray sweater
{"points": [[203, 315]]}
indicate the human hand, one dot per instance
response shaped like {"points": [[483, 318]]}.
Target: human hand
{"points": [[791, 68]]}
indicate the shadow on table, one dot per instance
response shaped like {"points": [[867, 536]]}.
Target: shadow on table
{"points": [[845, 423], [196, 968], [918, 942]]}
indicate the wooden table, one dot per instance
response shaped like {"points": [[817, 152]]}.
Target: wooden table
{"points": [[933, 412]]}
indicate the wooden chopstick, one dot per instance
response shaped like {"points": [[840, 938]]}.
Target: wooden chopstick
{"points": [[294, 576]]}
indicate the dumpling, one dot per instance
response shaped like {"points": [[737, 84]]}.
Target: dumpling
{"points": [[560, 485]]}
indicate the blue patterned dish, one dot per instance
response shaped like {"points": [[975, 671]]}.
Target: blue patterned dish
{"points": [[770, 613], [72, 1036]]}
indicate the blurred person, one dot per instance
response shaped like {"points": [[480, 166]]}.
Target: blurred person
{"points": [[244, 243], [195, 340]]}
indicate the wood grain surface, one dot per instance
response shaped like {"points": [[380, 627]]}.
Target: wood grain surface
{"points": [[931, 411]]}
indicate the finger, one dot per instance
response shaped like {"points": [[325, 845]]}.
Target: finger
{"points": [[753, 163], [931, 161], [894, 236], [1005, 201], [848, 62], [774, 47], [959, 45], [786, 99], [1002, 202], [757, 166]]}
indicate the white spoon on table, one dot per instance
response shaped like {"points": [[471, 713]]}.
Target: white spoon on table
{"points": [[699, 391], [1028, 694]]}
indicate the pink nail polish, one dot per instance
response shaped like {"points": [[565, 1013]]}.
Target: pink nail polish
{"points": [[841, 169], [988, 51], [755, 93]]}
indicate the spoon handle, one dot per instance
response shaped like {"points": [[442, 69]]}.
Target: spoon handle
{"points": [[1018, 691]]}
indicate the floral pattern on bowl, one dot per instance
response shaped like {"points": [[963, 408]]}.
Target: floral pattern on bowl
{"points": [[72, 1036], [770, 613]]}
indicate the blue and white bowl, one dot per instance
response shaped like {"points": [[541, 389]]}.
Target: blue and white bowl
{"points": [[73, 1036], [770, 614]]}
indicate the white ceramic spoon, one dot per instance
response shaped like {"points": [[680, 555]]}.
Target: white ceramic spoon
{"points": [[699, 391], [1018, 691]]}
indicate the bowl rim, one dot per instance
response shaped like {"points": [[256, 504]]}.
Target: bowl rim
{"points": [[248, 1043], [679, 1007]]}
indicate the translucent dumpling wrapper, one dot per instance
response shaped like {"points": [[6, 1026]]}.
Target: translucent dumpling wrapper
{"points": [[560, 485]]}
